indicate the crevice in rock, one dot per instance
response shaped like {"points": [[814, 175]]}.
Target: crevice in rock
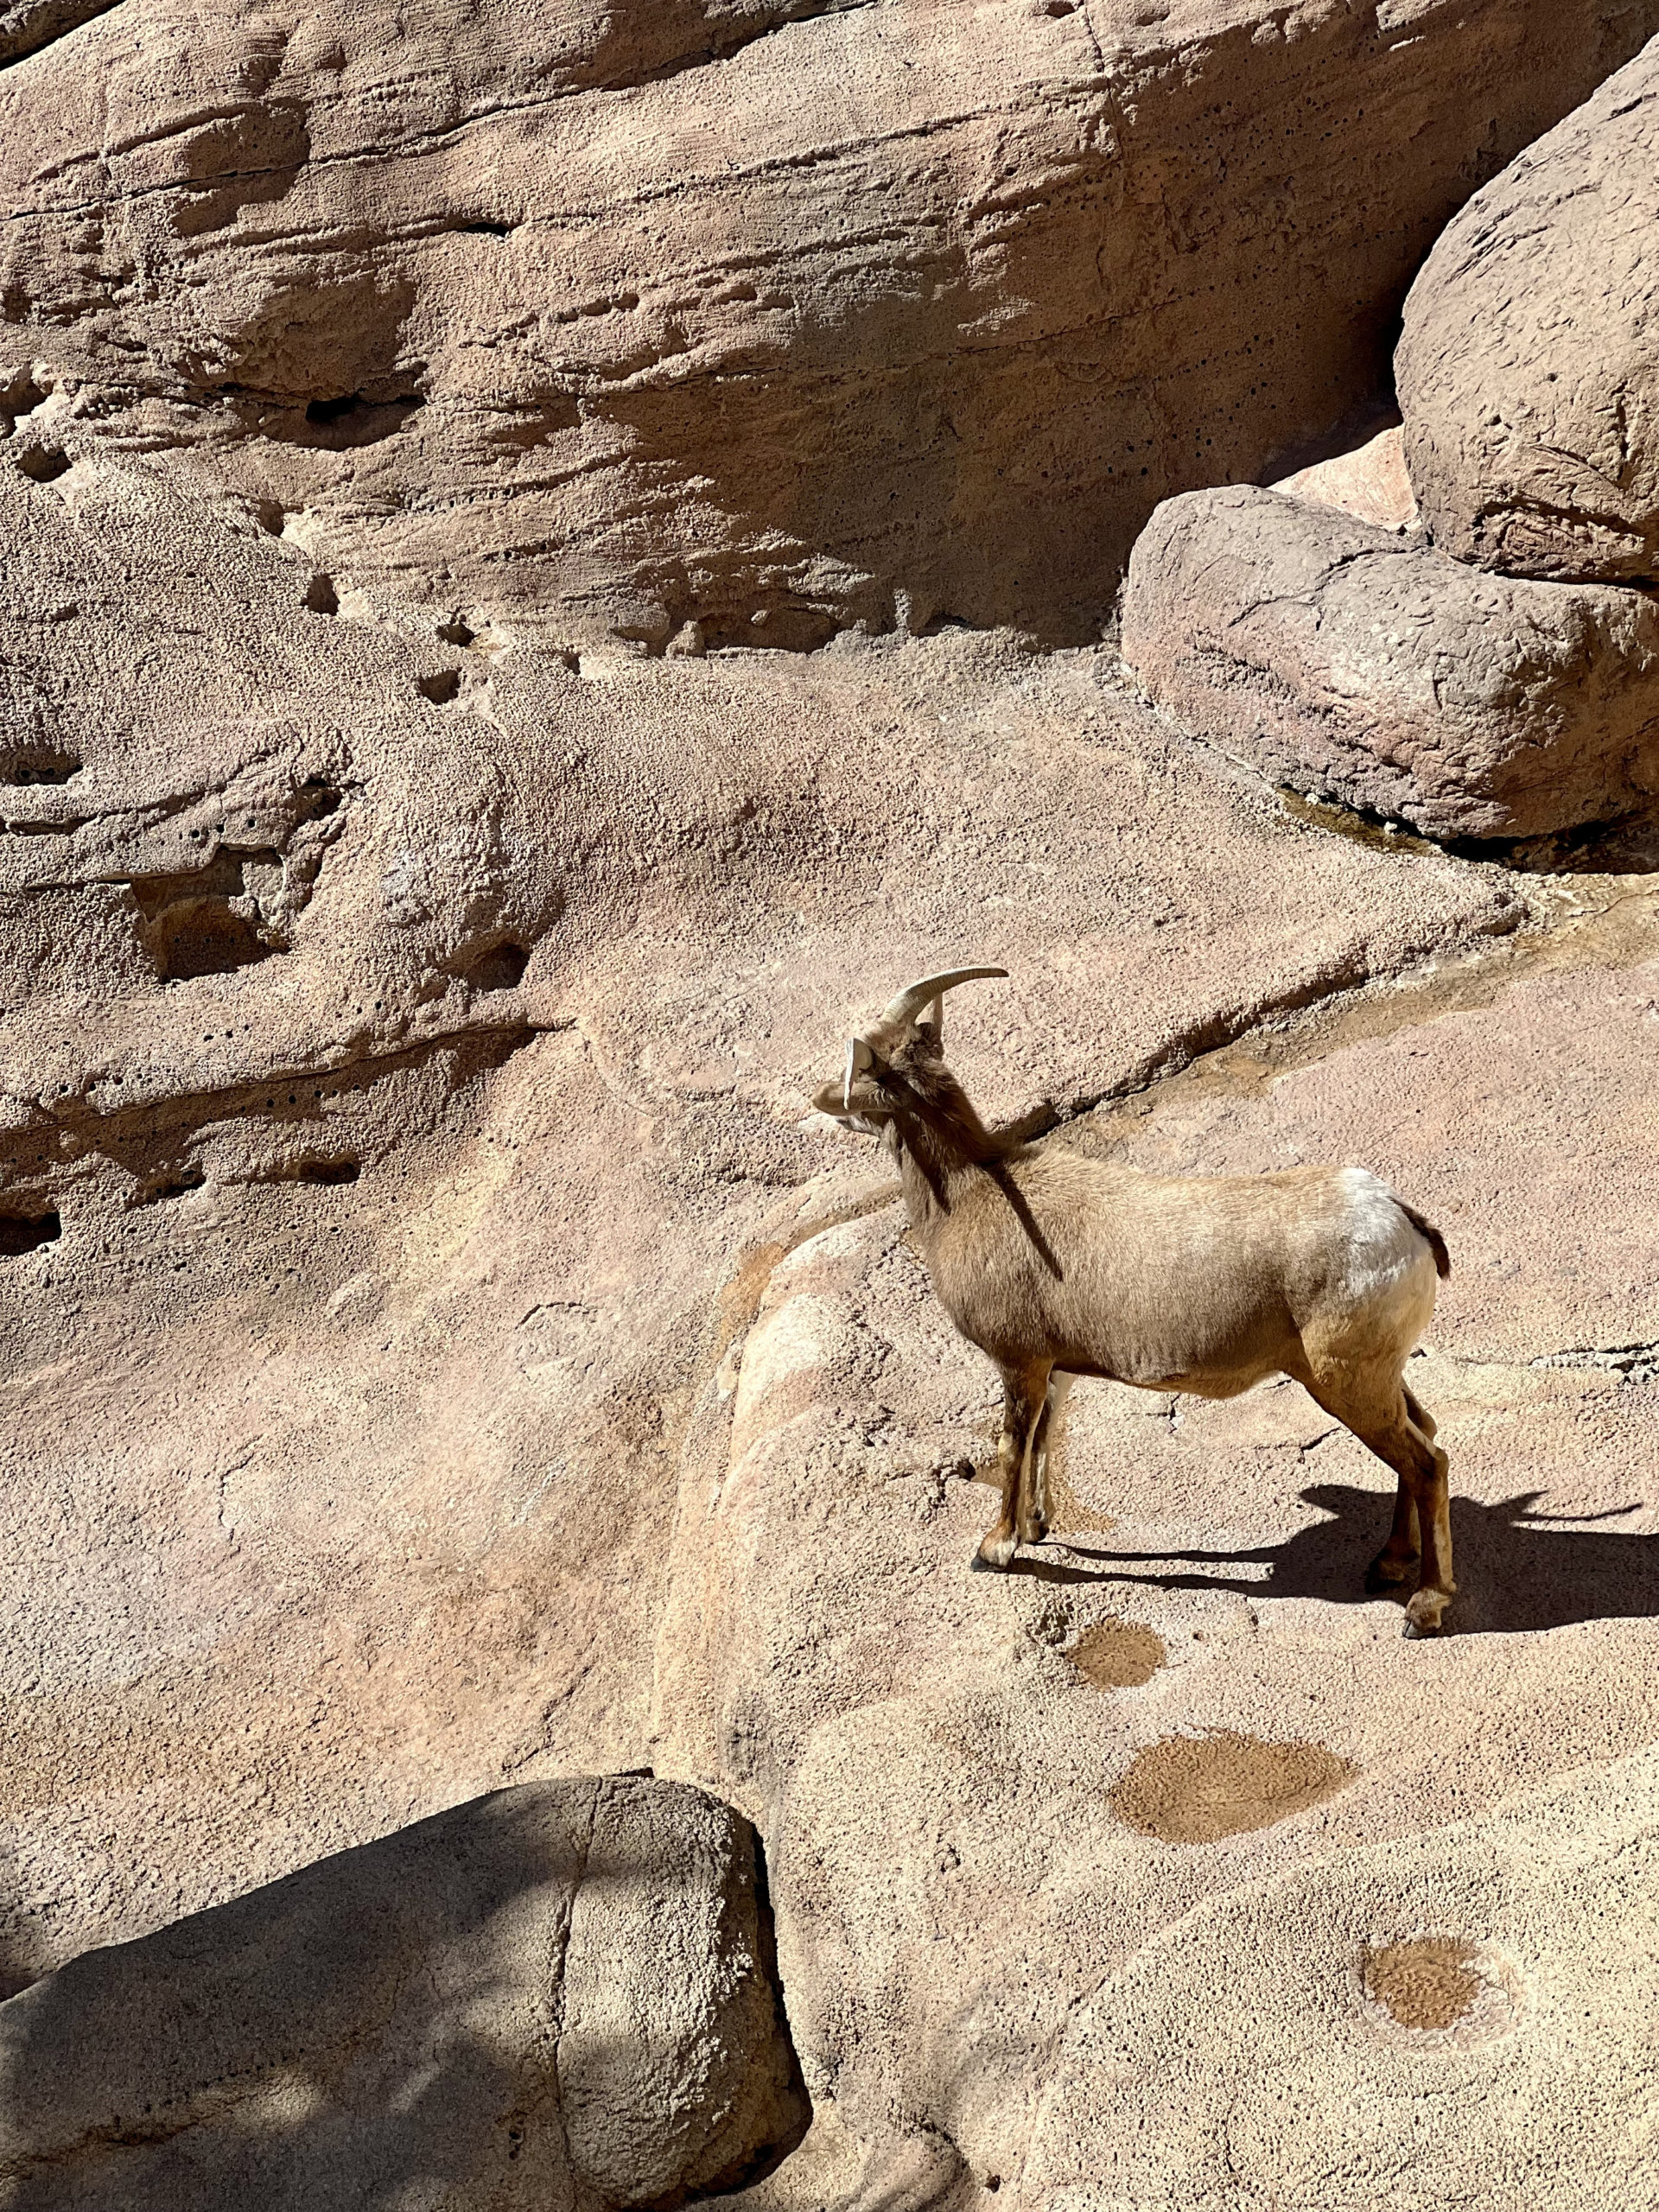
{"points": [[34, 29], [181, 1186], [1631, 1362], [736, 39], [130, 1137], [1621, 933], [22, 1233], [325, 1173], [38, 764], [1621, 844]]}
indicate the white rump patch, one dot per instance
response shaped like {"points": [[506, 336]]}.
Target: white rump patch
{"points": [[1383, 1250]]}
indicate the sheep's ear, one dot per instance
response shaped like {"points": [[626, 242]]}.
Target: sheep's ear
{"points": [[859, 1060]]}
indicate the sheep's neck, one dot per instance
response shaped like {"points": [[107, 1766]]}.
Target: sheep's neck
{"points": [[934, 1173]]}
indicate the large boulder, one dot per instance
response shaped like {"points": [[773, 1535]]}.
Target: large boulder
{"points": [[738, 320], [1529, 366], [561, 1994], [1351, 662]]}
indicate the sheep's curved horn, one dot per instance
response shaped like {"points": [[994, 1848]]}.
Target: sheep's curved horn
{"points": [[910, 1002]]}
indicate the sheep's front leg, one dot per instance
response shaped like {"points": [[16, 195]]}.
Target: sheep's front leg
{"points": [[1024, 1392]]}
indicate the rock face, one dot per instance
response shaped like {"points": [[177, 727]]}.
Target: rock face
{"points": [[428, 1183], [439, 1349], [1529, 364], [738, 320], [558, 1994], [1351, 663]]}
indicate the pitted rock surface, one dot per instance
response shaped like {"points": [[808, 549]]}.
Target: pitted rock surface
{"points": [[1529, 364]]}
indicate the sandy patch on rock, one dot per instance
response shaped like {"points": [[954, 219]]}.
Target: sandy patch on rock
{"points": [[1118, 1655], [1197, 1790]]}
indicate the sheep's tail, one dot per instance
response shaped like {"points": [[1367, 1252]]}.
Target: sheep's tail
{"points": [[1430, 1237]]}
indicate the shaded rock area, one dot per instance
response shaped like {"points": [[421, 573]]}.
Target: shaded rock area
{"points": [[559, 1994], [738, 321], [1496, 677], [1353, 663], [1528, 362]]}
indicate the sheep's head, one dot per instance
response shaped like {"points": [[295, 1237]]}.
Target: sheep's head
{"points": [[881, 1062]]}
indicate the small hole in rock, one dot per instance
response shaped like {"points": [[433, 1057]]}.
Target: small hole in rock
{"points": [[456, 632], [501, 968], [192, 1180], [330, 1171], [317, 798], [355, 420], [45, 464], [204, 936], [320, 597], [38, 765], [22, 397], [442, 688], [19, 1234]]}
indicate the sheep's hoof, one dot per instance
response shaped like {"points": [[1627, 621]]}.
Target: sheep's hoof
{"points": [[1422, 1623], [1033, 1532], [994, 1555]]}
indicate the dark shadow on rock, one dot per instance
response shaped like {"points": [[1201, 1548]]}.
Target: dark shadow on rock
{"points": [[492, 2007], [1517, 1568]]}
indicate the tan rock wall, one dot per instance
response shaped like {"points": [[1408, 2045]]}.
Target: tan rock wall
{"points": [[772, 319]]}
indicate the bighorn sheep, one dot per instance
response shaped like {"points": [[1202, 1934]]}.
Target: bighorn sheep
{"points": [[1057, 1265]]}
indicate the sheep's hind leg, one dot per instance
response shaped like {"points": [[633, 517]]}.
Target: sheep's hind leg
{"points": [[1398, 1559], [1033, 1507], [1435, 1587], [1024, 1393], [1421, 1509], [1420, 1417]]}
